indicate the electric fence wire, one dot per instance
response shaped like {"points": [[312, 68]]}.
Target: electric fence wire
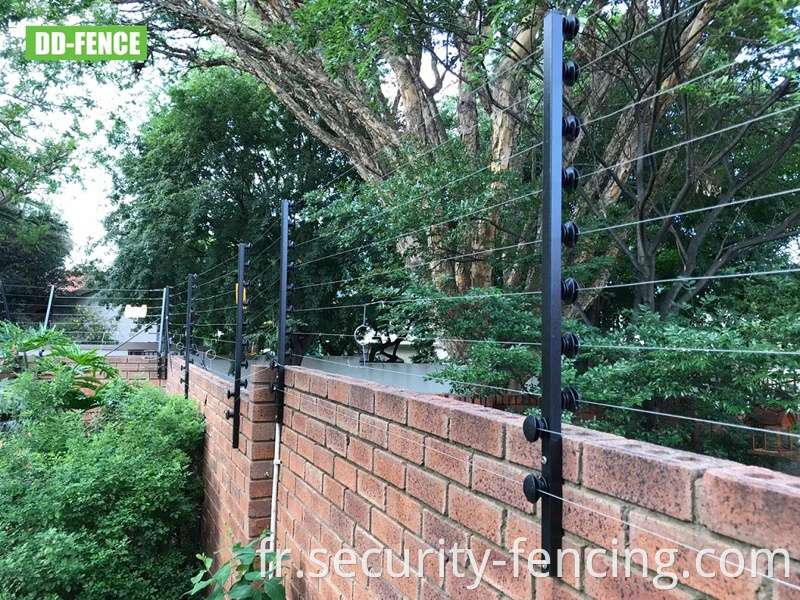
{"points": [[232, 272], [499, 295], [584, 125], [414, 338], [529, 194], [335, 415], [583, 401], [520, 245], [519, 62]]}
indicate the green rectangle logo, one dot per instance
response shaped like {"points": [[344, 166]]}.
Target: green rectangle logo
{"points": [[85, 42]]}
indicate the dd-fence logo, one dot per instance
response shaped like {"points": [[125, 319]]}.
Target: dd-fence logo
{"points": [[83, 42]]}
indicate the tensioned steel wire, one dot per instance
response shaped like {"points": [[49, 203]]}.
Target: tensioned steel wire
{"points": [[500, 295], [203, 283], [593, 403], [520, 62], [675, 146], [520, 245], [583, 125], [335, 415]]}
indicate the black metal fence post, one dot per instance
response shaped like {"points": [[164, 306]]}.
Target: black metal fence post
{"points": [[188, 335], [238, 384], [5, 302], [284, 353], [556, 179]]}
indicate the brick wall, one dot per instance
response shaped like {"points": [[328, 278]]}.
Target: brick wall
{"points": [[237, 482], [367, 466], [138, 368]]}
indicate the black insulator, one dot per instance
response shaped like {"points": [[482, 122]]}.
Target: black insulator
{"points": [[229, 414], [570, 26], [229, 393], [290, 310], [572, 72], [246, 283], [243, 383], [183, 367], [570, 233], [533, 427], [571, 127], [273, 387], [570, 345], [570, 399], [247, 245], [290, 266], [292, 245], [245, 303], [275, 363], [183, 380], [290, 287], [245, 364], [289, 331], [292, 223], [570, 290], [248, 264], [533, 487], [570, 178], [288, 352], [245, 323]]}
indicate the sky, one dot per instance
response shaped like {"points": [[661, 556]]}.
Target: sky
{"points": [[84, 202]]}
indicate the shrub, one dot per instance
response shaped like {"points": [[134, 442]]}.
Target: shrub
{"points": [[102, 508]]}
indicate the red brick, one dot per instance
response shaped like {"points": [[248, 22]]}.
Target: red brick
{"points": [[316, 431], [372, 488], [404, 509], [338, 390], [390, 468], [436, 527], [357, 508], [360, 453], [429, 416], [752, 505], [344, 473], [263, 451], [636, 586], [391, 406], [502, 576], [501, 481], [431, 592], [406, 443], [429, 489], [387, 531], [643, 474], [593, 517], [324, 459], [553, 589], [333, 491], [336, 440], [362, 398], [342, 525], [457, 587], [318, 384], [652, 534], [478, 428], [448, 460], [347, 419], [521, 451], [374, 430], [482, 516]]}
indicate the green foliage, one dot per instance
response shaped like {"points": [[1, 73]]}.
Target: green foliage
{"points": [[246, 568], [102, 509], [64, 377]]}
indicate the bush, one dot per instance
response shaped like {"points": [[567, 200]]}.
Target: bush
{"points": [[104, 507]]}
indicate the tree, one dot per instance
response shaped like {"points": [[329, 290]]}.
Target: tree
{"points": [[209, 170]]}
